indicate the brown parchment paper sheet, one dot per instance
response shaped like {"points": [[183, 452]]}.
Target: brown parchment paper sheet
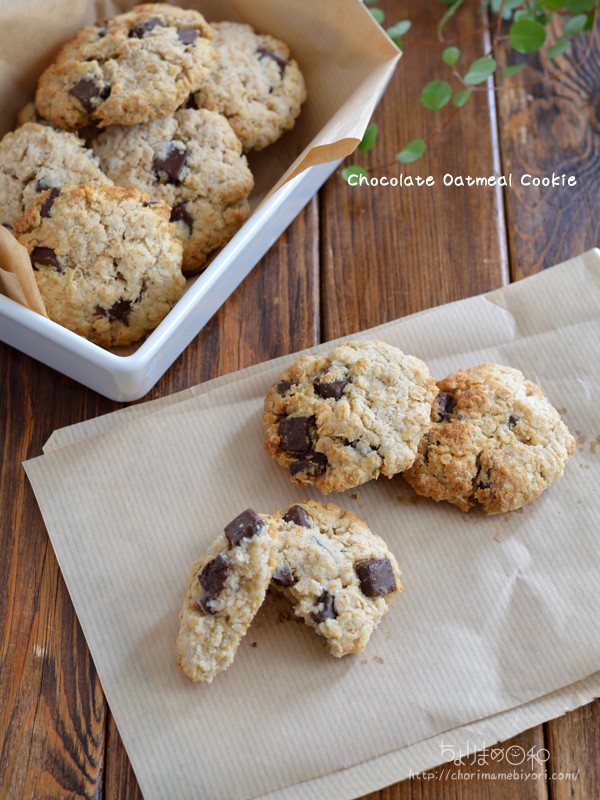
{"points": [[498, 627], [345, 56]]}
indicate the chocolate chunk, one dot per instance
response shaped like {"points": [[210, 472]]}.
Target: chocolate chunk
{"points": [[213, 576], [188, 35], [46, 257], [376, 576], [41, 186], [179, 213], [445, 405], [279, 60], [46, 206], [102, 25], [283, 387], [312, 466], [90, 93], [512, 421], [332, 389], [295, 434], [327, 611], [244, 526], [150, 203], [120, 311], [138, 31], [283, 576], [298, 516], [191, 101], [172, 164], [204, 604]]}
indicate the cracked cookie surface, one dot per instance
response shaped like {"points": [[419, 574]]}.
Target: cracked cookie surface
{"points": [[340, 577], [255, 83], [193, 161], [36, 157], [339, 419], [107, 265], [127, 69], [495, 441], [226, 588]]}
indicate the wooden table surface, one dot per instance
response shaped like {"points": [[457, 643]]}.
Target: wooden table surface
{"points": [[352, 259]]}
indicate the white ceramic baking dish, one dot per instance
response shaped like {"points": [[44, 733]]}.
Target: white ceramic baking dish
{"points": [[128, 377]]}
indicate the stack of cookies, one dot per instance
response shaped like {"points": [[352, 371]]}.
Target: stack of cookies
{"points": [[166, 105]]}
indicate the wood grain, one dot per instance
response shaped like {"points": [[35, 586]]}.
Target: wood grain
{"points": [[387, 251], [574, 745], [549, 122]]}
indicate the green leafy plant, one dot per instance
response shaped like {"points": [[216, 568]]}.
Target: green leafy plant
{"points": [[521, 26]]}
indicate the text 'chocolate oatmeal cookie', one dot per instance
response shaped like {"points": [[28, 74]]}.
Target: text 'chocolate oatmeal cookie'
{"points": [[107, 264], [193, 161], [226, 588], [340, 577], [495, 441], [127, 69], [339, 419]]}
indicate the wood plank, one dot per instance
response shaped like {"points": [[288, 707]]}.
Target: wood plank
{"points": [[552, 126], [274, 312], [52, 711], [481, 776], [387, 251], [574, 745]]}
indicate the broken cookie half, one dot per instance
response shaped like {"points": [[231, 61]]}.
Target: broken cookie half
{"points": [[340, 577], [226, 588]]}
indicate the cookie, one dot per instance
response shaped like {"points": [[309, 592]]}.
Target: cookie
{"points": [[495, 441], [37, 157], [107, 264], [342, 418], [255, 83], [225, 590], [191, 160], [29, 113], [340, 577], [127, 69]]}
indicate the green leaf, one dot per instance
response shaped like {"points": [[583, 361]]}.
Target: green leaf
{"points": [[369, 137], [378, 15], [370, 2], [400, 28], [353, 169], [577, 6], [461, 97], [591, 20], [524, 14], [560, 46], [450, 56], [527, 36], [575, 25], [552, 5], [480, 70], [411, 152], [436, 95], [512, 70], [450, 13]]}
